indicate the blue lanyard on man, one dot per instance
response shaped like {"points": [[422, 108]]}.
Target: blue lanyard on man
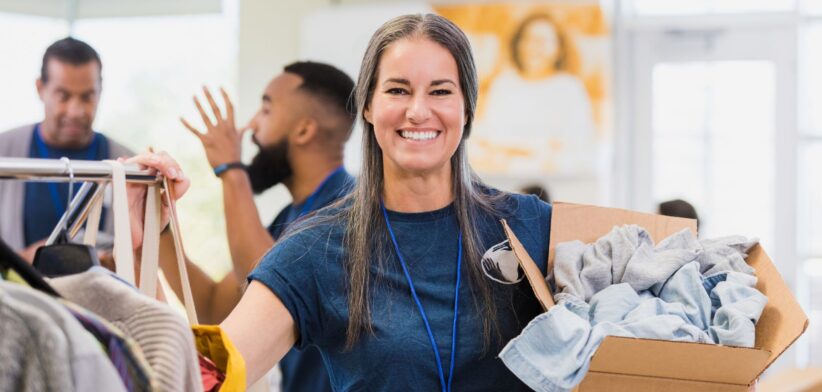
{"points": [[43, 151], [446, 386]]}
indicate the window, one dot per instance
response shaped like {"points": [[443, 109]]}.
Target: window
{"points": [[713, 129], [152, 67], [809, 210], [20, 63], [721, 119]]}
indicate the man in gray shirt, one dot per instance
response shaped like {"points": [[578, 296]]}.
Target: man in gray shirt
{"points": [[69, 86]]}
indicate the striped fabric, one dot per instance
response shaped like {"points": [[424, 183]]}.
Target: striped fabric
{"points": [[164, 336], [123, 351]]}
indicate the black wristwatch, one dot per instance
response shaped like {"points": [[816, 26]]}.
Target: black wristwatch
{"points": [[220, 169]]}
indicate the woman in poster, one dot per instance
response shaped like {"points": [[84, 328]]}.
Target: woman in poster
{"points": [[538, 113]]}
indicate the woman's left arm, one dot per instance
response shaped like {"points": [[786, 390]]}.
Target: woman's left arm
{"points": [[262, 330]]}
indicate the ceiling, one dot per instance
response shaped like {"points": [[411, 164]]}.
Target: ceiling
{"points": [[109, 8]]}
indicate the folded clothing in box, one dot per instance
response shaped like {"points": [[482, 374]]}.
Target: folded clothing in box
{"points": [[681, 289]]}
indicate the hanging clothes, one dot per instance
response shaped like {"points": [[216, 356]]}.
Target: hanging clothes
{"points": [[164, 337], [90, 367], [213, 343], [213, 378], [33, 351], [12, 264], [123, 352]]}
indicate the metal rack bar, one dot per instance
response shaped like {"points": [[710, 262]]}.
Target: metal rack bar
{"points": [[55, 170], [93, 174]]}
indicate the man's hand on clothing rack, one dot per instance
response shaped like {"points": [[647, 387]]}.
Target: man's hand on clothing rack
{"points": [[222, 141], [164, 164]]}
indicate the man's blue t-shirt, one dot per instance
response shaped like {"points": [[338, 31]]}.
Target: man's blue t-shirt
{"points": [[45, 202], [306, 270], [303, 370], [338, 184]]}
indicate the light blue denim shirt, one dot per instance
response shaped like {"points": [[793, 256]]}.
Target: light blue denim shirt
{"points": [[627, 254], [554, 351]]}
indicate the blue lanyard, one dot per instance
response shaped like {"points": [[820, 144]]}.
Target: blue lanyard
{"points": [[43, 151], [445, 387], [309, 202]]}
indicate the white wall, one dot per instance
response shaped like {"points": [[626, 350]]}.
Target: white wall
{"points": [[268, 40]]}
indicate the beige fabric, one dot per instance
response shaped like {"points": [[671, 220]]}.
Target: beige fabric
{"points": [[188, 299], [123, 249], [149, 263]]}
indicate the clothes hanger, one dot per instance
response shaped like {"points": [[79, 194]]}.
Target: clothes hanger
{"points": [[10, 260], [63, 257]]}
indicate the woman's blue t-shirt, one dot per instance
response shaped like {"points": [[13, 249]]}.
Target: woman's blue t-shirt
{"points": [[307, 273]]}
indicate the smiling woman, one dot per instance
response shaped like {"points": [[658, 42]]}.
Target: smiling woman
{"points": [[417, 111], [375, 281]]}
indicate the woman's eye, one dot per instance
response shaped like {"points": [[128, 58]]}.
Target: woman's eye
{"points": [[396, 91], [441, 92]]}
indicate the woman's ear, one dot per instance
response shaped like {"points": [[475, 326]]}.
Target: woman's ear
{"points": [[366, 113]]}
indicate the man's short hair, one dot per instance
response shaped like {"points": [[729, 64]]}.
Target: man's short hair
{"points": [[538, 191], [70, 51], [679, 208], [327, 83]]}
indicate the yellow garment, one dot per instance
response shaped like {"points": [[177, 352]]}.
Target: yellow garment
{"points": [[13, 277], [215, 345]]}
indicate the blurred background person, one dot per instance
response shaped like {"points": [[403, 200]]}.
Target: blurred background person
{"points": [[69, 87], [679, 208], [538, 191], [301, 128]]}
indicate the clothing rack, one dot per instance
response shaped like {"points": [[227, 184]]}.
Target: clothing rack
{"points": [[56, 170], [93, 175], [77, 211]]}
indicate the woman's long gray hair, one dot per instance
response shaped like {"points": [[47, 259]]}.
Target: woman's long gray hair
{"points": [[366, 234]]}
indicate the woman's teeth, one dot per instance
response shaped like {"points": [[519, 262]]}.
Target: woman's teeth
{"points": [[419, 135]]}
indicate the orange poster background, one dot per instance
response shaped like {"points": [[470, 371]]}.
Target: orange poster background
{"points": [[513, 135]]}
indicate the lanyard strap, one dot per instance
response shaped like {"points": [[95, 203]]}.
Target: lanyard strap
{"points": [[312, 198], [445, 387], [43, 151]]}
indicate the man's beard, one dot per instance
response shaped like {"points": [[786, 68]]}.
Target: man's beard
{"points": [[269, 167]]}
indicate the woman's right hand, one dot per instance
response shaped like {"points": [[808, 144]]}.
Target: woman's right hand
{"points": [[165, 165]]}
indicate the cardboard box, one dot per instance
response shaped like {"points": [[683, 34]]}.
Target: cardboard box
{"points": [[629, 364], [793, 380]]}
